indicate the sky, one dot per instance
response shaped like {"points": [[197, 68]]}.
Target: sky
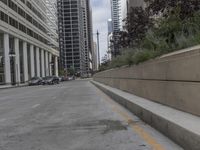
{"points": [[101, 12]]}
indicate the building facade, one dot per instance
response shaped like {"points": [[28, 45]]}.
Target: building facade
{"points": [[75, 35], [115, 15], [90, 37], [110, 28], [125, 8], [28, 40], [95, 57], [110, 38]]}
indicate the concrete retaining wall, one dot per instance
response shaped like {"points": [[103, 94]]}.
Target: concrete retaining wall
{"points": [[172, 79]]}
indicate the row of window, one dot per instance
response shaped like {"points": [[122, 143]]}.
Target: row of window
{"points": [[4, 17], [34, 10], [22, 13]]}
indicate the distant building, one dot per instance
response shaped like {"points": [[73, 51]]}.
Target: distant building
{"points": [[88, 33], [28, 40], [115, 14], [135, 3], [110, 28], [125, 8], [95, 57], [110, 36], [110, 45], [75, 35]]}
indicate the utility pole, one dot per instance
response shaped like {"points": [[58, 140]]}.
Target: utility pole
{"points": [[98, 48]]}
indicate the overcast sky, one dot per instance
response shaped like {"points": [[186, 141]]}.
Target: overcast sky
{"points": [[101, 13]]}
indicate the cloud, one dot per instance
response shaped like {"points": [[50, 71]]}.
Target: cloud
{"points": [[101, 13]]}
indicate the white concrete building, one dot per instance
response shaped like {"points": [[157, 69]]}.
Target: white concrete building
{"points": [[28, 40]]}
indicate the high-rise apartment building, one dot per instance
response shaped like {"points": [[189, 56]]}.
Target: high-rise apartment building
{"points": [[110, 28], [90, 37], [28, 40], [115, 14], [75, 35], [95, 56]]}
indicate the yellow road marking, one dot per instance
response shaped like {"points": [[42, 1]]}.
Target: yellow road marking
{"points": [[136, 127]]}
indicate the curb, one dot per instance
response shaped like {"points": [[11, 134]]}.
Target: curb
{"points": [[12, 87], [182, 128]]}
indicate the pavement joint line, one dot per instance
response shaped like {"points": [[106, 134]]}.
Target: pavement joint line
{"points": [[35, 106], [135, 127]]}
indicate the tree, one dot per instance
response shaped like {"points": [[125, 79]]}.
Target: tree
{"points": [[137, 24], [166, 7], [71, 71]]}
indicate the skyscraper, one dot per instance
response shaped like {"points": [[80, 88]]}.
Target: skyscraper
{"points": [[75, 35], [95, 56], [110, 28], [115, 14], [28, 40]]}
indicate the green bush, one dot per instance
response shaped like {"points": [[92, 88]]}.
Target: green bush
{"points": [[142, 56], [168, 35]]}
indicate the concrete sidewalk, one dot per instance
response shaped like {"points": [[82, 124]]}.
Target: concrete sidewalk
{"points": [[183, 128], [12, 86]]}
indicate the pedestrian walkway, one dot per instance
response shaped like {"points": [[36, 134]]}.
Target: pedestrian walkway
{"points": [[12, 86]]}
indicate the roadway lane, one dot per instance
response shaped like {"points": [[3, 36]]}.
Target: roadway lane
{"points": [[71, 116]]}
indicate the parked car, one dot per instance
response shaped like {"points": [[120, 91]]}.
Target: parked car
{"points": [[35, 81], [50, 80]]}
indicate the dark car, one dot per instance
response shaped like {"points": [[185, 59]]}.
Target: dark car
{"points": [[35, 81], [50, 80]]}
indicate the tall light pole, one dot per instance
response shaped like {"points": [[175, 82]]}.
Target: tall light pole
{"points": [[98, 48]]}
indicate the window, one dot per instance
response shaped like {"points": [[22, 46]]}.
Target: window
{"points": [[12, 5], [3, 17], [4, 1], [13, 22]]}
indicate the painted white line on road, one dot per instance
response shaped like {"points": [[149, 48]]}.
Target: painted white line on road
{"points": [[36, 105]]}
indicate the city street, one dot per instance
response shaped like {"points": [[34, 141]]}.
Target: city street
{"points": [[73, 115]]}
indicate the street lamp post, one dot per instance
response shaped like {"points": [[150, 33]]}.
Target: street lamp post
{"points": [[98, 48]]}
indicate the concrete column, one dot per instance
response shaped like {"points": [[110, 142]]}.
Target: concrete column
{"points": [[7, 72], [32, 60], [25, 61], [17, 61], [56, 65], [38, 61], [47, 63], [50, 65], [42, 63]]}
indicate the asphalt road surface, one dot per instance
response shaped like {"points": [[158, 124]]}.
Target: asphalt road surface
{"points": [[73, 115]]}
